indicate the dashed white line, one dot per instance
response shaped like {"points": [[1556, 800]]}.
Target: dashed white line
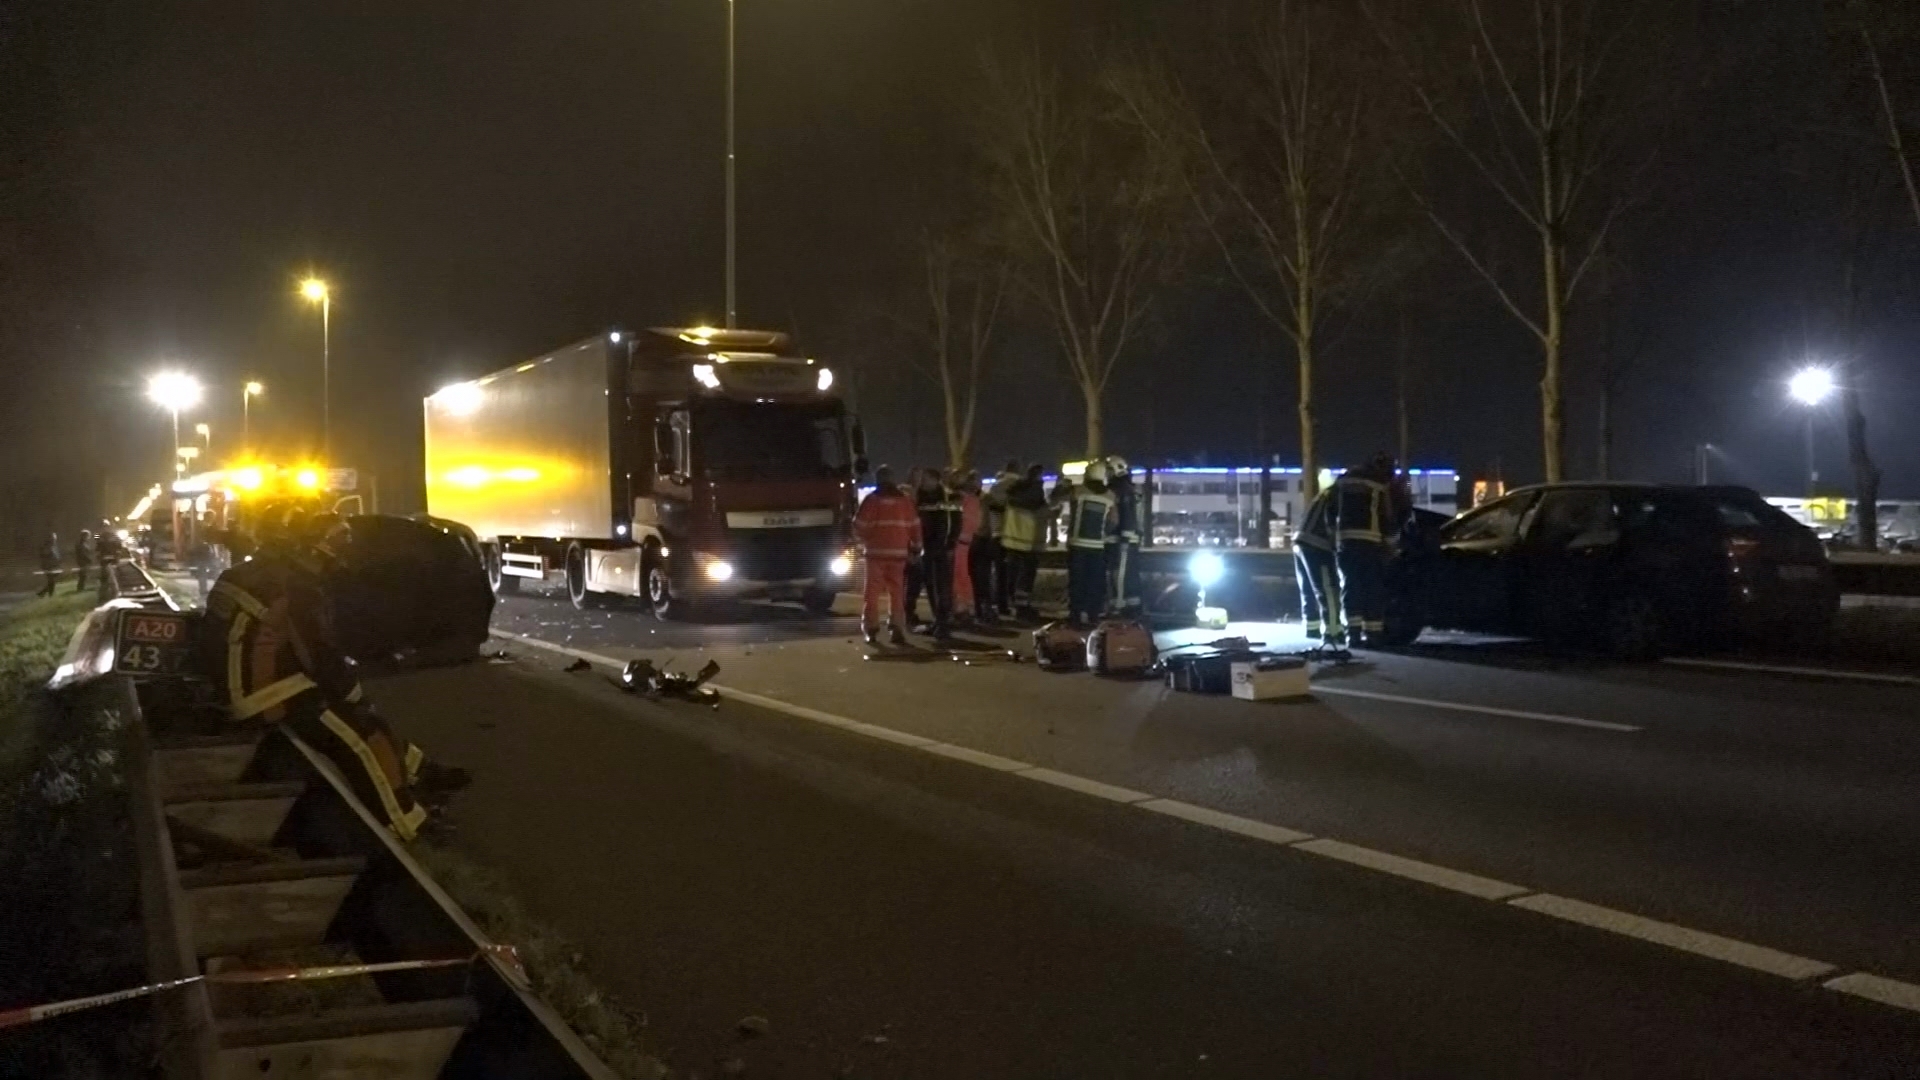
{"points": [[1698, 942], [1886, 991], [1789, 669], [1413, 869], [1876, 988], [1490, 710]]}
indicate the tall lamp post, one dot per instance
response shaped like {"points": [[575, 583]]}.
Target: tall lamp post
{"points": [[732, 306], [174, 392], [247, 394], [316, 291], [1811, 386], [205, 431]]}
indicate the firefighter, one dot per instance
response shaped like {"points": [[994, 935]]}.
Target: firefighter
{"points": [[1026, 504], [1091, 523], [966, 492], [1123, 550], [939, 511], [888, 529], [1318, 573], [267, 643], [1366, 516], [994, 503], [49, 564]]}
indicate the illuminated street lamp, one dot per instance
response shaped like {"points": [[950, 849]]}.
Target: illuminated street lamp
{"points": [[1811, 386], [317, 292], [173, 392], [247, 394]]}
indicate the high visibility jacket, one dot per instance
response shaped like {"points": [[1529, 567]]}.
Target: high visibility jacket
{"points": [[887, 525], [972, 517], [267, 637], [1316, 525], [1092, 519], [994, 502], [1362, 511], [1025, 503]]}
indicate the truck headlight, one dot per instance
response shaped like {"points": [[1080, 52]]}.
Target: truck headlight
{"points": [[719, 570], [841, 566]]}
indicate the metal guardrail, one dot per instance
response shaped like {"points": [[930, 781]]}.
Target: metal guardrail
{"points": [[249, 841]]}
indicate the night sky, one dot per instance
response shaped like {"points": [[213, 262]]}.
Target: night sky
{"points": [[482, 181]]}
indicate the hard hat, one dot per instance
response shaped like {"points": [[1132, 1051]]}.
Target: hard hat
{"points": [[1117, 466], [1097, 472]]}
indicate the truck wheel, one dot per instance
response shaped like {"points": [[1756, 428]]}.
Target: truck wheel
{"points": [[503, 584], [577, 590], [660, 595]]}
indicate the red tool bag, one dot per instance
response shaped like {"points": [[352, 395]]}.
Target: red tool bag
{"points": [[1059, 647], [1120, 648]]}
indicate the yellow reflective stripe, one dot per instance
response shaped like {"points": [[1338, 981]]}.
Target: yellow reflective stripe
{"points": [[405, 824], [354, 695], [236, 672], [241, 599], [268, 696], [415, 756]]}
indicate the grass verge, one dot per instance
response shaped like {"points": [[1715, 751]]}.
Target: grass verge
{"points": [[556, 965], [69, 908]]}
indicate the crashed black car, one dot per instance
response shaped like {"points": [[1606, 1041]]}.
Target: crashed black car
{"points": [[1639, 570], [410, 592]]}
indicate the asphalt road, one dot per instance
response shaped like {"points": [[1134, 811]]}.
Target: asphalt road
{"points": [[903, 912]]}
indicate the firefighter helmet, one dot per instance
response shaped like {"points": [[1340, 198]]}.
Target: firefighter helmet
{"points": [[1096, 472]]}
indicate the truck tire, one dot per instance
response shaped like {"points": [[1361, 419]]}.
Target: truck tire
{"points": [[503, 584], [657, 582], [577, 590]]}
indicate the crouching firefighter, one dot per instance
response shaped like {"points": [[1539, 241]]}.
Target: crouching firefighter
{"points": [[1318, 573], [268, 646]]}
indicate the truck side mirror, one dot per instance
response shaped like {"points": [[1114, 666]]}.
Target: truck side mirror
{"points": [[858, 438], [662, 449]]}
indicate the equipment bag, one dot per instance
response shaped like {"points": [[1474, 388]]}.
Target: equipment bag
{"points": [[1209, 672], [1121, 648], [1059, 647]]}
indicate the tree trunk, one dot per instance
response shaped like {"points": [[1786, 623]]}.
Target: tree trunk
{"points": [[1309, 467], [1603, 456], [1552, 416], [1402, 417], [1091, 394], [1866, 475]]}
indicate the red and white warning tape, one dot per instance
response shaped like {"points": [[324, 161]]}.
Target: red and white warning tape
{"points": [[36, 1013]]}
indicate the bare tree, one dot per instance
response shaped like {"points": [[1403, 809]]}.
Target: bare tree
{"points": [[1084, 214], [1876, 22], [964, 292], [1538, 120], [1269, 163]]}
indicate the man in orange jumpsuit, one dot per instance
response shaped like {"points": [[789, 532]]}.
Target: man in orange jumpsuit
{"points": [[888, 529]]}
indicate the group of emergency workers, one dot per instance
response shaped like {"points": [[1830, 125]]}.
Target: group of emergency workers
{"points": [[1341, 551], [974, 549]]}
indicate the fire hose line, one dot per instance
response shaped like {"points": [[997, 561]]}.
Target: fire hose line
{"points": [[36, 1013]]}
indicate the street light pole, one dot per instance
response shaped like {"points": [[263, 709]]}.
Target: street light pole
{"points": [[316, 290], [1813, 474], [732, 226], [247, 393]]}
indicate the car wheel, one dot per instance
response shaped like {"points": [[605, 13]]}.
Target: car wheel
{"points": [[1634, 627], [819, 601], [503, 584]]}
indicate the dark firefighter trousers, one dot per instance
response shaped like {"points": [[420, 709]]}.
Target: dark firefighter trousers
{"points": [[1123, 577], [1363, 586], [378, 764], [1087, 582], [983, 562], [1319, 579], [1018, 569]]}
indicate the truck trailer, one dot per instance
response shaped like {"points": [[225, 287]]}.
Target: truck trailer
{"points": [[676, 465]]}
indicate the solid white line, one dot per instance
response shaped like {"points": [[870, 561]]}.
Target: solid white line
{"points": [[1458, 706], [1413, 869], [1085, 786], [978, 757], [1233, 823], [1875, 988], [1788, 669], [1698, 942]]}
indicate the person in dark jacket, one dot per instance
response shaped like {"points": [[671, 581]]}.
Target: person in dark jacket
{"points": [[49, 564], [1365, 516], [83, 556], [939, 535]]}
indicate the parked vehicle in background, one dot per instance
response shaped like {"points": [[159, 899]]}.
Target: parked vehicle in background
{"points": [[678, 465], [1639, 570]]}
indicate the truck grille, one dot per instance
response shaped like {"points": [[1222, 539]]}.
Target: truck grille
{"points": [[783, 554]]}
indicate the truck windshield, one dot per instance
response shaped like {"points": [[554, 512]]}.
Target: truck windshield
{"points": [[742, 440]]}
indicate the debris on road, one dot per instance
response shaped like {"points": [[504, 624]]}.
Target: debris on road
{"points": [[752, 1026], [640, 676], [579, 665]]}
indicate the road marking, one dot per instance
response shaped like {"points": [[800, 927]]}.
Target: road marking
{"points": [[1875, 988], [1788, 669], [1233, 823], [1085, 786], [1698, 942], [1459, 706], [1414, 869]]}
